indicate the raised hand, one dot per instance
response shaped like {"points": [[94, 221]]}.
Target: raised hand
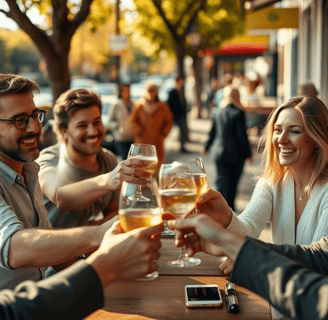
{"points": [[207, 236], [213, 204], [129, 171]]}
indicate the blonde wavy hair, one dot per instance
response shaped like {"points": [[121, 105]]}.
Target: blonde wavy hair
{"points": [[315, 118]]}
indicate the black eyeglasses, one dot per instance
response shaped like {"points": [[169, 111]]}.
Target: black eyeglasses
{"points": [[21, 122]]}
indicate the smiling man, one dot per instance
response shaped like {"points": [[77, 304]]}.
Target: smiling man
{"points": [[81, 180], [27, 243]]}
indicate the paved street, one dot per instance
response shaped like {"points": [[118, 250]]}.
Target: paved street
{"points": [[199, 129]]}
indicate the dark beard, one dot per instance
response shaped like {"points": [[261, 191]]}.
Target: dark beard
{"points": [[16, 155]]}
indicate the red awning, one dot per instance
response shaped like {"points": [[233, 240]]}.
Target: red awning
{"points": [[237, 49]]}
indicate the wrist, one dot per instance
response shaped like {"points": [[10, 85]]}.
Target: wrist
{"points": [[99, 262], [104, 182], [232, 243], [226, 218]]}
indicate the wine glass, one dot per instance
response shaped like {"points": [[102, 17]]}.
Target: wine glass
{"points": [[147, 153], [178, 195], [137, 214], [198, 170]]}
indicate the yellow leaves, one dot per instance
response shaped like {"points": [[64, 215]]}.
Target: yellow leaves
{"points": [[16, 38], [221, 14]]}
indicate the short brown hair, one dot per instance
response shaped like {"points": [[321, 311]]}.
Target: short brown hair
{"points": [[12, 83], [71, 101]]}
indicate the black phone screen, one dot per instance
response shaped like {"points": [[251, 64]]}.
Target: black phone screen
{"points": [[203, 294]]}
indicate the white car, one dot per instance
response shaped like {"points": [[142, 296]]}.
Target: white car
{"points": [[105, 88], [82, 83]]}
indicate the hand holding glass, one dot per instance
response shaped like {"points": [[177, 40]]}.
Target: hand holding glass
{"points": [[147, 153], [137, 214], [178, 195]]}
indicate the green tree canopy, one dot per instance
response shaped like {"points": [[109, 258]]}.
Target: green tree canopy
{"points": [[164, 22]]}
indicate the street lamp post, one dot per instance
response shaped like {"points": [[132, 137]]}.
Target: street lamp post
{"points": [[117, 32], [194, 38]]}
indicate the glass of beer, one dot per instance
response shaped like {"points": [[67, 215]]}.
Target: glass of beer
{"points": [[178, 196], [137, 214], [147, 153]]}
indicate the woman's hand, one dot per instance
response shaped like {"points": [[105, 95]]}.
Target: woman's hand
{"points": [[206, 236], [213, 204], [226, 265]]}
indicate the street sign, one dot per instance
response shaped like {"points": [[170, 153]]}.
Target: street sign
{"points": [[117, 43]]}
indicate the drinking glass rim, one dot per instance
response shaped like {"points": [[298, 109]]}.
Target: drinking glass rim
{"points": [[143, 144]]}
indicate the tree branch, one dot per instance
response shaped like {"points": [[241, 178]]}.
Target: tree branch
{"points": [[59, 14], [36, 34], [167, 22], [193, 17], [83, 13], [5, 12], [176, 25]]}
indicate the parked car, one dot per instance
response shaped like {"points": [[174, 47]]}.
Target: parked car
{"points": [[136, 91], [82, 83], [105, 88], [107, 102]]}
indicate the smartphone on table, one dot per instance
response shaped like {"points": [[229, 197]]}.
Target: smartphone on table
{"points": [[203, 295]]}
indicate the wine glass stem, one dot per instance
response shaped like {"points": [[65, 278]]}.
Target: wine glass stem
{"points": [[139, 191], [183, 253]]}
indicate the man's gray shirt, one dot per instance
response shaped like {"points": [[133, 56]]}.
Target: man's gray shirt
{"points": [[21, 207], [68, 173]]}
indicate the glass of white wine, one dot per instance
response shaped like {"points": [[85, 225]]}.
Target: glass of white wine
{"points": [[199, 172], [147, 153], [137, 214], [178, 196]]}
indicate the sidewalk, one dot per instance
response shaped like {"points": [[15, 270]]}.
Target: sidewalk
{"points": [[198, 134]]}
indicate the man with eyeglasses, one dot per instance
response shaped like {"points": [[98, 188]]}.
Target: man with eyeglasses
{"points": [[27, 242]]}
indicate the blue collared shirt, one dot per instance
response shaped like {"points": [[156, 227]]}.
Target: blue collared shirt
{"points": [[21, 207]]}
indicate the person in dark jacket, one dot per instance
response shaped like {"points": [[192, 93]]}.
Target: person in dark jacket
{"points": [[229, 145], [178, 109]]}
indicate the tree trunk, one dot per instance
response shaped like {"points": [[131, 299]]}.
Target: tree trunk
{"points": [[196, 68], [58, 74], [54, 48]]}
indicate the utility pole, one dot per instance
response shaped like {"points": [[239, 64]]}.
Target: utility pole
{"points": [[117, 32]]}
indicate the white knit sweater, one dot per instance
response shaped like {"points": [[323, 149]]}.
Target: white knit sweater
{"points": [[277, 202]]}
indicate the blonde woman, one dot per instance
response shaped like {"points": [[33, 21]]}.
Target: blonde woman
{"points": [[293, 191]]}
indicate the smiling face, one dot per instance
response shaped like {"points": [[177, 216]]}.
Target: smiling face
{"points": [[85, 132], [293, 145], [18, 146]]}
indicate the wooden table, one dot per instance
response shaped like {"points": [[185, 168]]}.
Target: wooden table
{"points": [[163, 298], [208, 267]]}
